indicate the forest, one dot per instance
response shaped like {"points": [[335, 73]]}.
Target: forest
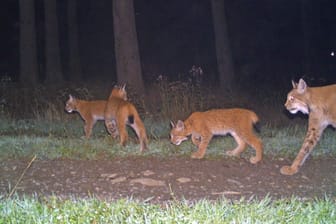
{"points": [[233, 42]]}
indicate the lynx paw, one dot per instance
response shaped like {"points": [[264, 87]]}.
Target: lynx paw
{"points": [[288, 170], [143, 148], [254, 160], [197, 155], [232, 153]]}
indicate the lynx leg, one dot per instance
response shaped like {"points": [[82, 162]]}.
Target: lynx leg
{"points": [[311, 139], [123, 133], [241, 145], [142, 136], [143, 144], [88, 129], [199, 154], [111, 127], [299, 160], [196, 139], [255, 143]]}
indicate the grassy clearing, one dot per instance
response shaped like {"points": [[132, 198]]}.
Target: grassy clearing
{"points": [[34, 123], [50, 140], [53, 210]]}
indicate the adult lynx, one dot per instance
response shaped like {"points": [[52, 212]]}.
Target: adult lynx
{"points": [[320, 104], [202, 126]]}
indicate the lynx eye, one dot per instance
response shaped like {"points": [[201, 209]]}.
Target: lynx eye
{"points": [[291, 98]]}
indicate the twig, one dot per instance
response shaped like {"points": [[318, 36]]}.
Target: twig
{"points": [[19, 180], [172, 195], [227, 193]]}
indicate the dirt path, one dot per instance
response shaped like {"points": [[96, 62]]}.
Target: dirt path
{"points": [[163, 179]]}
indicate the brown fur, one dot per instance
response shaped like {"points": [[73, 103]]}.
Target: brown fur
{"points": [[119, 113], [202, 126], [320, 104], [90, 111]]}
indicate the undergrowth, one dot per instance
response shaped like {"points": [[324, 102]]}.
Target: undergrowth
{"points": [[33, 121]]}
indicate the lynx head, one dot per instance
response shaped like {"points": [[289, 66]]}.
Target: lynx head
{"points": [[71, 104], [119, 92], [297, 98], [178, 133]]}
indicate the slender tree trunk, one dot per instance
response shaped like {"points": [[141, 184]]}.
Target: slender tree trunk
{"points": [[52, 54], [75, 70], [28, 49], [223, 51], [126, 45]]}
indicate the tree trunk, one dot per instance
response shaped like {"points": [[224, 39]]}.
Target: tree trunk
{"points": [[126, 45], [28, 49], [52, 49], [75, 70], [307, 36], [222, 42]]}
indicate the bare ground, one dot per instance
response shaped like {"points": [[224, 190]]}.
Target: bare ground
{"points": [[163, 179]]}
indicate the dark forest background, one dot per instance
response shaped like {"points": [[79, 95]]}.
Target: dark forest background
{"points": [[271, 41]]}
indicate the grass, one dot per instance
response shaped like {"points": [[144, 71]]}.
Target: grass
{"points": [[50, 140], [33, 123], [53, 210]]}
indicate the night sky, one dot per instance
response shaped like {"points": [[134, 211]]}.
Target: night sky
{"points": [[266, 38]]}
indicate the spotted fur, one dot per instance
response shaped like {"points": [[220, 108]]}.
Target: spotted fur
{"points": [[320, 104]]}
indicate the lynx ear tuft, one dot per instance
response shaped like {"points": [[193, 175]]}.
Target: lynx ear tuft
{"points": [[294, 84], [172, 124]]}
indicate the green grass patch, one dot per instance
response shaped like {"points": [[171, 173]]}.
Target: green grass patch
{"points": [[53, 210], [51, 133], [50, 140]]}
